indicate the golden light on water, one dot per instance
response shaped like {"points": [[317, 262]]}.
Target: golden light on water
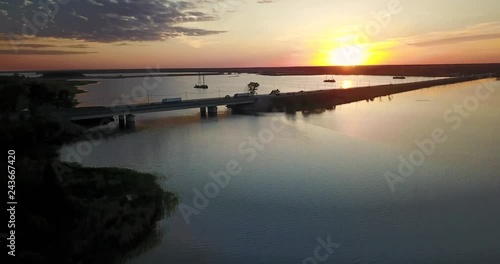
{"points": [[346, 84]]}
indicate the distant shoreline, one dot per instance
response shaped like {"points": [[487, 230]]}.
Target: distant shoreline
{"points": [[430, 70], [144, 75]]}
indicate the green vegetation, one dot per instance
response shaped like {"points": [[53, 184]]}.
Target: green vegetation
{"points": [[63, 74], [18, 93], [67, 213], [253, 87], [94, 215], [119, 207]]}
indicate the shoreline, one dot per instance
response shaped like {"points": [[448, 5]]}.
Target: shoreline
{"points": [[329, 99], [71, 213], [124, 205], [428, 70], [80, 86]]}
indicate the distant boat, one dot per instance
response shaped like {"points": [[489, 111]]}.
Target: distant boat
{"points": [[398, 77], [201, 85], [329, 80]]}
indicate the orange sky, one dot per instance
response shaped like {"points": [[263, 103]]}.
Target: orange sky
{"points": [[234, 33]]}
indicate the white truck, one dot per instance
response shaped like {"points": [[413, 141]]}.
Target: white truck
{"points": [[242, 95], [171, 100]]}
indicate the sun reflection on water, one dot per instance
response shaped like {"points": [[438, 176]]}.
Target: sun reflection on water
{"points": [[346, 84]]}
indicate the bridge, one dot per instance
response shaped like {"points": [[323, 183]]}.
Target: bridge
{"points": [[294, 100], [128, 111]]}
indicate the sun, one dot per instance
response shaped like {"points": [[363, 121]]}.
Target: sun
{"points": [[346, 51], [347, 56]]}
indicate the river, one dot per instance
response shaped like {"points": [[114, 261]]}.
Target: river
{"points": [[288, 184]]}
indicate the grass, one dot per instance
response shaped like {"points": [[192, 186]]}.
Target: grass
{"points": [[94, 215], [116, 208]]}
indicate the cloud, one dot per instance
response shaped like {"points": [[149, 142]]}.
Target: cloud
{"points": [[478, 32], [35, 46], [42, 52], [457, 39], [78, 46], [44, 46], [219, 7], [107, 21]]}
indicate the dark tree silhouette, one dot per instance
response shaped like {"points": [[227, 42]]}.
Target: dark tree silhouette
{"points": [[252, 87]]}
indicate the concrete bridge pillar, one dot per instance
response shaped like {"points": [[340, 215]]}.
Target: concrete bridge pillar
{"points": [[290, 109], [121, 121], [203, 111], [212, 111], [130, 121]]}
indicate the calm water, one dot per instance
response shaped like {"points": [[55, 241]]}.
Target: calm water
{"points": [[133, 90], [322, 175]]}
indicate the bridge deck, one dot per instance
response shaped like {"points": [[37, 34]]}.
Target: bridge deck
{"points": [[100, 112], [347, 95]]}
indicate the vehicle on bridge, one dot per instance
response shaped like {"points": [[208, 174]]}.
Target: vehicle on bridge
{"points": [[241, 95], [171, 100]]}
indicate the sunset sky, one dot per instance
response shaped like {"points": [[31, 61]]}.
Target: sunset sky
{"points": [[103, 34]]}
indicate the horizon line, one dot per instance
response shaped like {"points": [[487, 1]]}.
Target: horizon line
{"points": [[250, 67]]}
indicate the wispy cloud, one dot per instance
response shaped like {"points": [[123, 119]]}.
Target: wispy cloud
{"points": [[42, 52], [457, 39], [78, 46], [478, 32], [36, 46], [41, 46]]}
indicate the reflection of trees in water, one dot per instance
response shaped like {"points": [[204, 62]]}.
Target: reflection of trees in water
{"points": [[117, 213], [389, 97], [155, 235], [313, 112], [150, 241]]}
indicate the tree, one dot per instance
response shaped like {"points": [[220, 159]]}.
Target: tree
{"points": [[252, 87], [10, 95], [64, 99]]}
